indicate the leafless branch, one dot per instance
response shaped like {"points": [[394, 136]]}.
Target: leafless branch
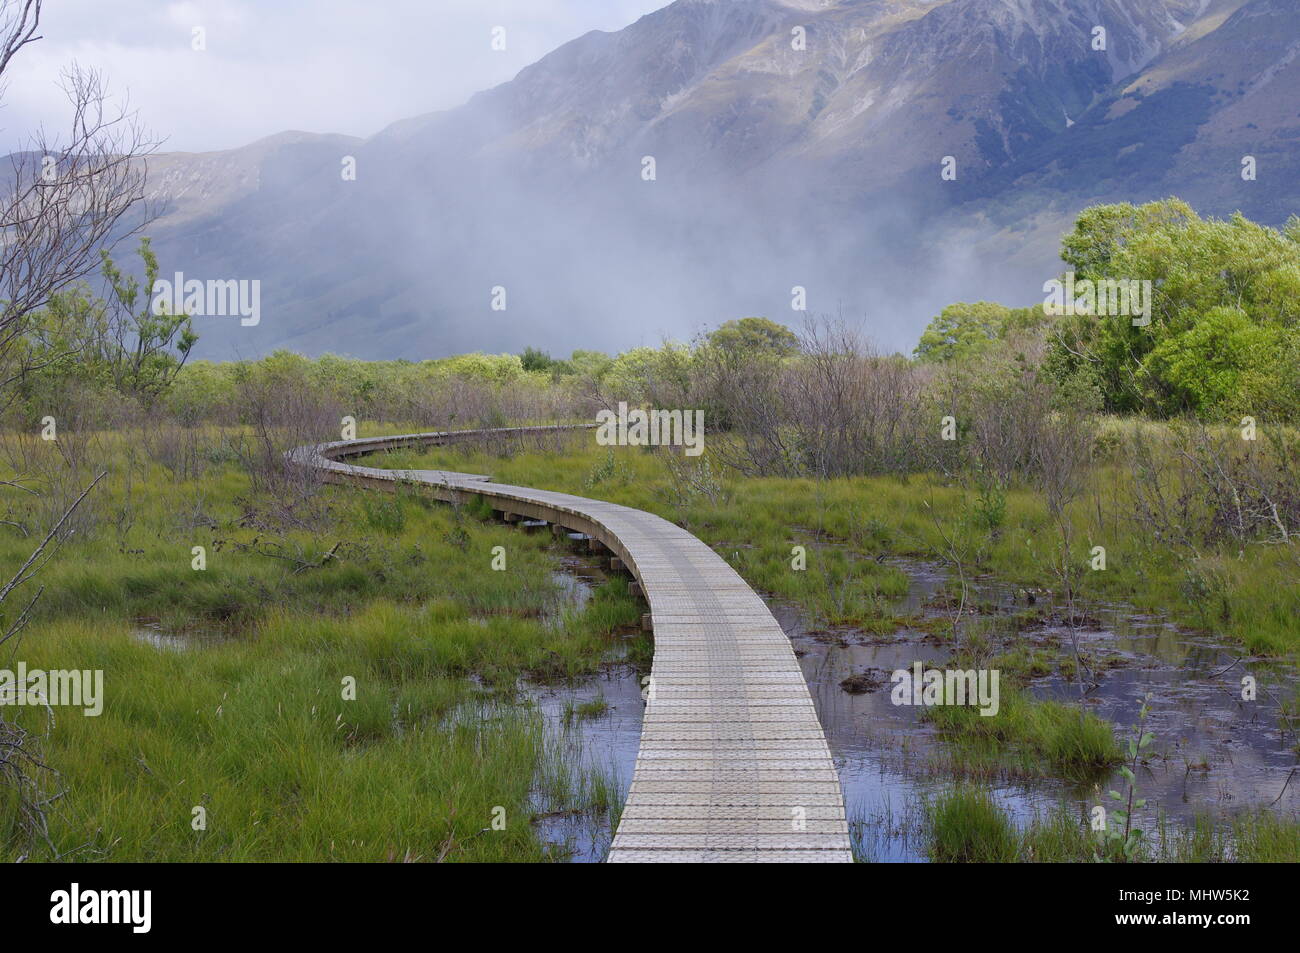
{"points": [[18, 22], [66, 199]]}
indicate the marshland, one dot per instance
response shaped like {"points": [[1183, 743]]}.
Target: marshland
{"points": [[1104, 514]]}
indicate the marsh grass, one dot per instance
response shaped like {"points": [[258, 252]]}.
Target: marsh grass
{"points": [[253, 726], [594, 708], [849, 526], [965, 825], [394, 591], [1029, 737], [1245, 593]]}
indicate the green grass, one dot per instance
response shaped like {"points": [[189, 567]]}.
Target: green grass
{"points": [[1262, 838], [1246, 595], [594, 708], [251, 725], [250, 722], [965, 825], [1058, 837], [1030, 736]]}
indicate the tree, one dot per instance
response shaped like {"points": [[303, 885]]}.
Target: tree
{"points": [[69, 198], [63, 202], [138, 347], [1225, 294], [588, 364], [119, 344], [535, 359], [1102, 232], [962, 330], [1204, 368], [966, 330], [758, 337]]}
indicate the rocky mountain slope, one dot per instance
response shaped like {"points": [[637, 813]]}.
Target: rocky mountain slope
{"points": [[795, 142]]}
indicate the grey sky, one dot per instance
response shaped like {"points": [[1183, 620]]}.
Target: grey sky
{"points": [[346, 66]]}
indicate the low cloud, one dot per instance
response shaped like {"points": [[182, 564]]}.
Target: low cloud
{"points": [[347, 66]]}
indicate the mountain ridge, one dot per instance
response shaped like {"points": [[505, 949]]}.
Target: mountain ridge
{"points": [[819, 164]]}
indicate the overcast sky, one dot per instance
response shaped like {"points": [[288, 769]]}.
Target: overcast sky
{"points": [[347, 66]]}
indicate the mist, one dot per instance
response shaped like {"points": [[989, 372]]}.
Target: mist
{"points": [[403, 261]]}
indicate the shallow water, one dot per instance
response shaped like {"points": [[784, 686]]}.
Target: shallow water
{"points": [[1212, 753], [604, 743], [152, 633], [882, 751], [575, 583]]}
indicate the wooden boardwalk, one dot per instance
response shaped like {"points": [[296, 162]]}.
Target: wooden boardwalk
{"points": [[733, 766]]}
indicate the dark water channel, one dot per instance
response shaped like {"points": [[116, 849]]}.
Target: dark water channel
{"points": [[1213, 753]]}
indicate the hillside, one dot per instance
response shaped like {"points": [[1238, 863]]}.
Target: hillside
{"points": [[775, 167]]}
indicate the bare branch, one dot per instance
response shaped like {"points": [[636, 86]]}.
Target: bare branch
{"points": [[67, 200], [18, 22], [36, 559]]}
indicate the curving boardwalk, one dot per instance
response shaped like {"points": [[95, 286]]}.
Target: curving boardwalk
{"points": [[733, 766]]}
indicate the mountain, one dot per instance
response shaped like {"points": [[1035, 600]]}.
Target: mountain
{"points": [[794, 143]]}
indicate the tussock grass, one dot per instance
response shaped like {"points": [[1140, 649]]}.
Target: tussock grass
{"points": [[965, 825], [1246, 594], [1032, 736], [250, 722]]}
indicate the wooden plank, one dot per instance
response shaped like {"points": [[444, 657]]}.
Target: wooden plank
{"points": [[733, 765]]}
